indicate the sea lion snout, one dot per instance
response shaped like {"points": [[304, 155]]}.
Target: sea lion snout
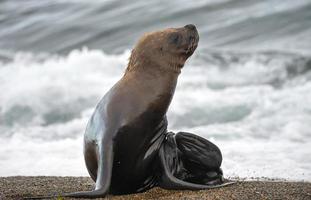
{"points": [[192, 31], [190, 27], [192, 38]]}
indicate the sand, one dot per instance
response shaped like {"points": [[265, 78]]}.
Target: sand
{"points": [[21, 186]]}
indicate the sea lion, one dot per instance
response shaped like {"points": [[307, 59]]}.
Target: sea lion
{"points": [[127, 147]]}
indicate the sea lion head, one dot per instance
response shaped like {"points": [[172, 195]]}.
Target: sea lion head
{"points": [[166, 50]]}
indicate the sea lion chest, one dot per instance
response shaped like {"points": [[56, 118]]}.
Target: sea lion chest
{"points": [[136, 146], [138, 140]]}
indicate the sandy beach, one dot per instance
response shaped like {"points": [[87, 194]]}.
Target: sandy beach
{"points": [[25, 186]]}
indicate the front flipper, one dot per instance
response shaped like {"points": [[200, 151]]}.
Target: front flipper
{"points": [[104, 171], [190, 162], [103, 180]]}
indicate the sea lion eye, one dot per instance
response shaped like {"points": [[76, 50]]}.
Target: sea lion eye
{"points": [[174, 38]]}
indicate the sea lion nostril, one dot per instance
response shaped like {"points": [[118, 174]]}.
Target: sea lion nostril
{"points": [[190, 26]]}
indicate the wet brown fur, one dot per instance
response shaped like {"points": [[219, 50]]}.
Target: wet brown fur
{"points": [[154, 52]]}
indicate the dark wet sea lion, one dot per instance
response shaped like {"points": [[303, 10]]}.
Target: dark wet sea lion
{"points": [[127, 147]]}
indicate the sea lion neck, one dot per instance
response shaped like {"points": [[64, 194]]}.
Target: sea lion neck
{"points": [[149, 63], [151, 83], [146, 69], [156, 78], [154, 72]]}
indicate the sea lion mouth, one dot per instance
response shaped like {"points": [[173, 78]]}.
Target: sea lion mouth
{"points": [[193, 44]]}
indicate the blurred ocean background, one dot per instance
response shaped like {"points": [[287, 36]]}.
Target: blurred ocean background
{"points": [[247, 88]]}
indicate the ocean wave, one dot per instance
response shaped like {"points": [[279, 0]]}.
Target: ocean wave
{"points": [[77, 81], [228, 97], [55, 89]]}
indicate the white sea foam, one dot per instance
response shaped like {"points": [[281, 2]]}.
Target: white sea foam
{"points": [[255, 109]]}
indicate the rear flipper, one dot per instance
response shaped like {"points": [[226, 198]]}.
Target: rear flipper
{"points": [[190, 162]]}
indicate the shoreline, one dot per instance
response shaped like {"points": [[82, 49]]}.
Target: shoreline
{"points": [[17, 187]]}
